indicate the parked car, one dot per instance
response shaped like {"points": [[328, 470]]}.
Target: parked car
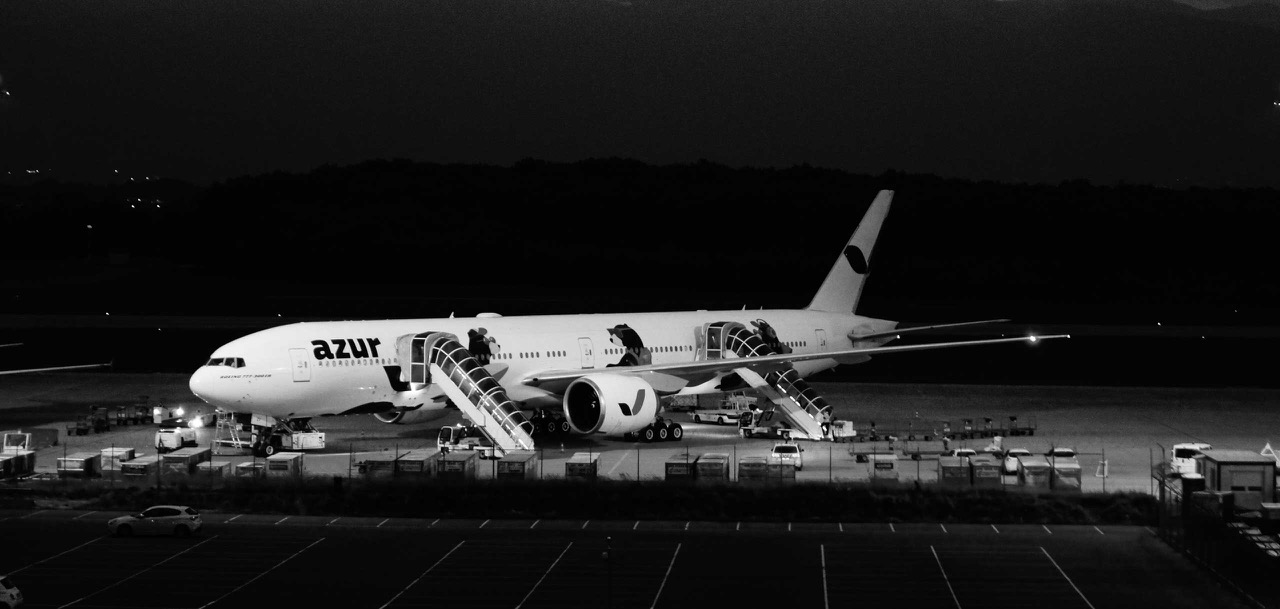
{"points": [[787, 452], [178, 520], [10, 595], [1061, 452], [967, 453], [1011, 459], [173, 438]]}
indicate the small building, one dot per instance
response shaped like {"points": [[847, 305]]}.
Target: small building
{"points": [[1250, 476]]}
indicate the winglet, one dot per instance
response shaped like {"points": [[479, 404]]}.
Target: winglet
{"points": [[843, 286]]}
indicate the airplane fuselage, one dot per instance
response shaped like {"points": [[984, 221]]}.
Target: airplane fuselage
{"points": [[347, 367]]}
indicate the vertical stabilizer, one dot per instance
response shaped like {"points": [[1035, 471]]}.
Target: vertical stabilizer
{"points": [[843, 286]]}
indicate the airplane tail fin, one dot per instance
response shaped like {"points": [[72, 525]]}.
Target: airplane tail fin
{"points": [[843, 286]]}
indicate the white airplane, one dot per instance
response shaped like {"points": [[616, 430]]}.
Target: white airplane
{"points": [[600, 373]]}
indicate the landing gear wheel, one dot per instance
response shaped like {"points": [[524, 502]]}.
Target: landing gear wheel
{"points": [[647, 434], [677, 432], [663, 433]]}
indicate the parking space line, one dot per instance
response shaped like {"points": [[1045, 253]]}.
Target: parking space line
{"points": [[944, 527], [788, 527], [584, 525], [993, 528], [332, 521], [83, 515], [686, 525], [1149, 530], [232, 518], [535, 523], [1046, 529], [282, 520], [1064, 576], [56, 555], [637, 525], [384, 521], [664, 577], [841, 526], [424, 574], [118, 582], [433, 522], [544, 575], [944, 577], [891, 529], [32, 514], [256, 577], [826, 600], [1099, 531], [482, 524], [739, 527]]}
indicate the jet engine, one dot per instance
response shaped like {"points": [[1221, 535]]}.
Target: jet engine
{"points": [[609, 404]]}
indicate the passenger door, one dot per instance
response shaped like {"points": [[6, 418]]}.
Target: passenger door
{"points": [[301, 365], [588, 355], [821, 337]]}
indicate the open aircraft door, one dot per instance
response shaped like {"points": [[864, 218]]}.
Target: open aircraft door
{"points": [[301, 365], [588, 355], [821, 337]]}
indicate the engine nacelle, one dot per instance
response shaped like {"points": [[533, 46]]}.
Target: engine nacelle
{"points": [[409, 417], [609, 404]]}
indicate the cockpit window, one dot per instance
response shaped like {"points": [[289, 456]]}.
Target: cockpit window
{"points": [[231, 362]]}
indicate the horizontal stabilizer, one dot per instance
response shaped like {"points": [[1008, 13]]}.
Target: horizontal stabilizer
{"points": [[895, 333]]}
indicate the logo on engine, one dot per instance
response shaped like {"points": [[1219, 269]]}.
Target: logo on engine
{"points": [[626, 408], [346, 348]]}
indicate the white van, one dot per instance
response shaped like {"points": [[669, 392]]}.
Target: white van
{"points": [[10, 595], [172, 438]]}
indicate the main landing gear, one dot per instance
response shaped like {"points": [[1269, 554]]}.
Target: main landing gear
{"points": [[660, 430]]}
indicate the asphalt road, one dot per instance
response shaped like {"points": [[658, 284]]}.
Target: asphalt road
{"points": [[62, 558]]}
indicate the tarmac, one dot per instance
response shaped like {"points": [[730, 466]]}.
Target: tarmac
{"points": [[1120, 433]]}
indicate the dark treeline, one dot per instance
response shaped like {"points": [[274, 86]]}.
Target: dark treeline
{"points": [[396, 238]]}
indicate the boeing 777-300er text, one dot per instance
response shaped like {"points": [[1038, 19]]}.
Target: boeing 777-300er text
{"points": [[583, 374]]}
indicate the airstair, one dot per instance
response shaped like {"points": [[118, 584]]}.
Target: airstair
{"points": [[228, 431], [438, 357], [802, 407]]}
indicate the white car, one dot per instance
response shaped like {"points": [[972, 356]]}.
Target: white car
{"points": [[173, 438], [1061, 452], [787, 452], [178, 520], [10, 595], [1011, 457]]}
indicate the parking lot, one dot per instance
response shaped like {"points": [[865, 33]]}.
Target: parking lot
{"points": [[62, 558]]}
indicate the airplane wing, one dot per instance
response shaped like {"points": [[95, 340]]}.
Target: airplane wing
{"points": [[896, 333], [693, 370], [79, 367], [11, 345]]}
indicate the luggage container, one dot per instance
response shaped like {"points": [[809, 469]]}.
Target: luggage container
{"points": [[519, 465], [1066, 474], [752, 469], [214, 469], [141, 466], [779, 473], [6, 466], [712, 467], [680, 468], [419, 463], [457, 465], [284, 465], [251, 469], [381, 467], [21, 463], [1033, 472], [80, 465], [113, 457], [954, 472], [987, 471], [184, 460], [582, 466]]}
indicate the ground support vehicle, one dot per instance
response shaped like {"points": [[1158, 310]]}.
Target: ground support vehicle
{"points": [[787, 453], [100, 420], [465, 437], [272, 436], [1182, 457], [172, 438], [763, 424], [177, 520], [731, 409], [1025, 428]]}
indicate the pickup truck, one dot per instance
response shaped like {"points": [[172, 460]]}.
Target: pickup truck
{"points": [[787, 453]]}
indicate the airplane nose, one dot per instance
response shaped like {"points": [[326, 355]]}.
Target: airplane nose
{"points": [[201, 385]]}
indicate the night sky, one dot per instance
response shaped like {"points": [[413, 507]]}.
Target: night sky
{"points": [[1141, 92]]}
